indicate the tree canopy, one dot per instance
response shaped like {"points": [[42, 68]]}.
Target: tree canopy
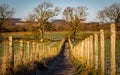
{"points": [[74, 16], [42, 13], [5, 13]]}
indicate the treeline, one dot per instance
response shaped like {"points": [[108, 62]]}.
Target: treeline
{"points": [[74, 18], [10, 27]]}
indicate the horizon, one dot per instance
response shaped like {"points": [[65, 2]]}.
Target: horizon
{"points": [[23, 8]]}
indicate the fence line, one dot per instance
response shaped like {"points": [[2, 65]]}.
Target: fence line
{"points": [[27, 53], [89, 48]]}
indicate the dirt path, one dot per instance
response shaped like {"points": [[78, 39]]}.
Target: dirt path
{"points": [[63, 65]]}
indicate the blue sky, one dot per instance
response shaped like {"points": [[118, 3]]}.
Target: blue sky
{"points": [[24, 7]]}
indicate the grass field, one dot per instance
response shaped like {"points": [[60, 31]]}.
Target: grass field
{"points": [[60, 36], [26, 35], [107, 51]]}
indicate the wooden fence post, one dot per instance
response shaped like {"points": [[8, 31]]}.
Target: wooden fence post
{"points": [[43, 49], [113, 50], [28, 51], [39, 46], [40, 49], [96, 50], [82, 51], [88, 52], [21, 52], [85, 51], [91, 51], [37, 51], [102, 51], [5, 58], [33, 51], [78, 50], [11, 52], [8, 56]]}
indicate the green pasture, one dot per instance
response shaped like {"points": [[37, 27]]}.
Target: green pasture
{"points": [[61, 35], [107, 51], [16, 46], [49, 35], [107, 44]]}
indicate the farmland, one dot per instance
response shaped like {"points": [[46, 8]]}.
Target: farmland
{"points": [[61, 35], [68, 38], [27, 51]]}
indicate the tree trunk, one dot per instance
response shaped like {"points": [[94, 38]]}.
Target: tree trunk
{"points": [[74, 34], [42, 35]]}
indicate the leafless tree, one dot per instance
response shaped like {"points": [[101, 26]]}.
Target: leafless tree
{"points": [[74, 16], [110, 14], [42, 13], [5, 13], [68, 14]]}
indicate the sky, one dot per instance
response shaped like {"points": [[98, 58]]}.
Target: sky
{"points": [[24, 7]]}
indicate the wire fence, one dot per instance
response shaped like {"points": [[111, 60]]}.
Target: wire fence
{"points": [[18, 52], [98, 52]]}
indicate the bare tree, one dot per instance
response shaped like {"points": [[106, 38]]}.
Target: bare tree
{"points": [[110, 14], [80, 12], [42, 13], [74, 16], [68, 14], [101, 16], [5, 13]]}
